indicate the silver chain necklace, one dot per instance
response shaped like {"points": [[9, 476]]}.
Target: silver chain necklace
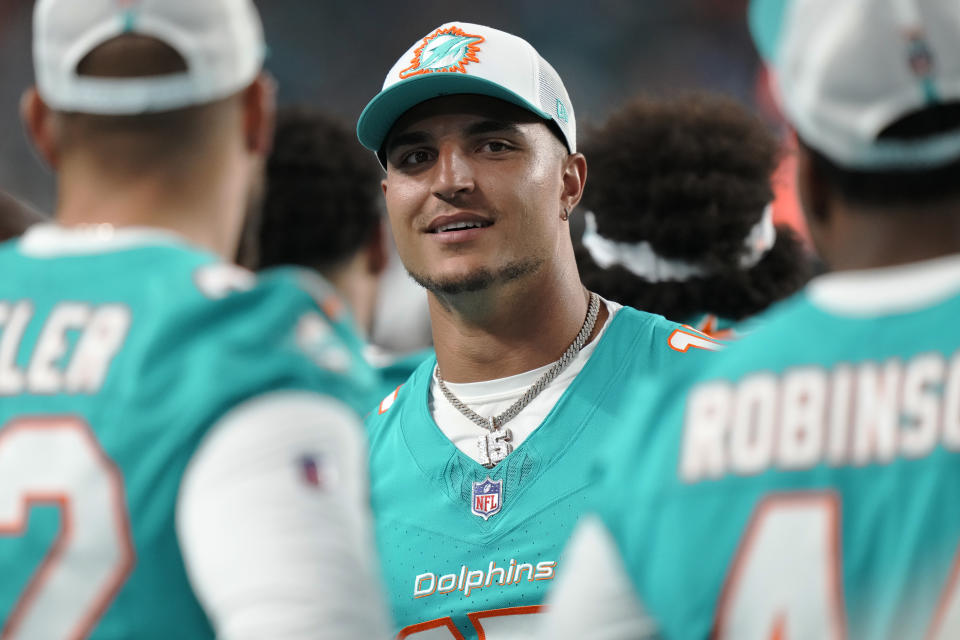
{"points": [[495, 445]]}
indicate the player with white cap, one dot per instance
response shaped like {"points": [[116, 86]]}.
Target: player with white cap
{"points": [[181, 453], [480, 461], [805, 485]]}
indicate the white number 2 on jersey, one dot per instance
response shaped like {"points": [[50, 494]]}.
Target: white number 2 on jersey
{"points": [[58, 461], [785, 581]]}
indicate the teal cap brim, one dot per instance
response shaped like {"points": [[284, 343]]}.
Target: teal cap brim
{"points": [[766, 24], [385, 109]]}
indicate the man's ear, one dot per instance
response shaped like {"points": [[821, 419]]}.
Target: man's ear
{"points": [[574, 179], [260, 113], [40, 123]]}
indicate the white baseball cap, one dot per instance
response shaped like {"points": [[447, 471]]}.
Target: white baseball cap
{"points": [[461, 58], [847, 69], [220, 40]]}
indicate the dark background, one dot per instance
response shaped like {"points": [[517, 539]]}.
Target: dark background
{"points": [[334, 55]]}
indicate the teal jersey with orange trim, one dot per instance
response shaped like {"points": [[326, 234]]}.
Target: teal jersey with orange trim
{"points": [[467, 551], [113, 365], [715, 326], [808, 485]]}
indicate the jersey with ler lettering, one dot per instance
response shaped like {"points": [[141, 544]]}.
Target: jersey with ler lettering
{"points": [[808, 486], [113, 366], [468, 552]]}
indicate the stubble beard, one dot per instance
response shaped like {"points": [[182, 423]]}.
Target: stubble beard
{"points": [[479, 279]]}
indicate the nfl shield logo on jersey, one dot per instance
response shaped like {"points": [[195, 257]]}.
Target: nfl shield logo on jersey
{"points": [[487, 497]]}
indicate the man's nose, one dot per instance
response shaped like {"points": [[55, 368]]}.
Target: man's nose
{"points": [[454, 174]]}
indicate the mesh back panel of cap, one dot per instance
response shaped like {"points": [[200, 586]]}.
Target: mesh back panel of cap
{"points": [[552, 93]]}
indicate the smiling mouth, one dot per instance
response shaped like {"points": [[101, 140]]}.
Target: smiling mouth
{"points": [[460, 226]]}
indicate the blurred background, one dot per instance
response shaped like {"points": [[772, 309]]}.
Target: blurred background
{"points": [[333, 54]]}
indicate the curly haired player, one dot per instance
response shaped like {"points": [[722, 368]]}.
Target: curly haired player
{"points": [[679, 219], [324, 211]]}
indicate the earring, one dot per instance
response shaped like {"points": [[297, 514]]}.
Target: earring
{"points": [[565, 215]]}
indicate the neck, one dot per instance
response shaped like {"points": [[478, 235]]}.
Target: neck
{"points": [[358, 287], [871, 239], [511, 328], [205, 208]]}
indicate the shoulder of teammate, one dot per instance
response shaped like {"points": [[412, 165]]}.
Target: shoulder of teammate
{"points": [[270, 331], [660, 411], [391, 406]]}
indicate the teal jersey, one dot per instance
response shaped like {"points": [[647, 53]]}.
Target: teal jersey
{"points": [[371, 380], [808, 484], [113, 365], [380, 374], [468, 552]]}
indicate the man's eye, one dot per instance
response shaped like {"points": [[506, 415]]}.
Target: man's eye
{"points": [[495, 146], [415, 157]]}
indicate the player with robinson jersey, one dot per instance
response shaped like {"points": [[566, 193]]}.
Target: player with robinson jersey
{"points": [[479, 461], [807, 486], [173, 461]]}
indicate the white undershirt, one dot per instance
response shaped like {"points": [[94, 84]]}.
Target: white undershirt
{"points": [[269, 553], [491, 397]]}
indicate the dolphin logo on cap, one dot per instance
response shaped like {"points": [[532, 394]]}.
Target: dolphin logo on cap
{"points": [[447, 49]]}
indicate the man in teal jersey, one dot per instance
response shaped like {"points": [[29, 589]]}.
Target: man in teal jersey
{"points": [[807, 485], [181, 454], [479, 462]]}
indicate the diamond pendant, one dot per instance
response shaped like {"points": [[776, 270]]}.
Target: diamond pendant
{"points": [[494, 447]]}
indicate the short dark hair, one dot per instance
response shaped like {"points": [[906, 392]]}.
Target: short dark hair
{"points": [[895, 188], [690, 175], [322, 201]]}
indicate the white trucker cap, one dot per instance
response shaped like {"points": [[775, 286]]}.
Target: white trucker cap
{"points": [[847, 69], [462, 58], [220, 40]]}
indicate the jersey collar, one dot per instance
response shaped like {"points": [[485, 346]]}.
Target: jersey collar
{"points": [[51, 240], [889, 290]]}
